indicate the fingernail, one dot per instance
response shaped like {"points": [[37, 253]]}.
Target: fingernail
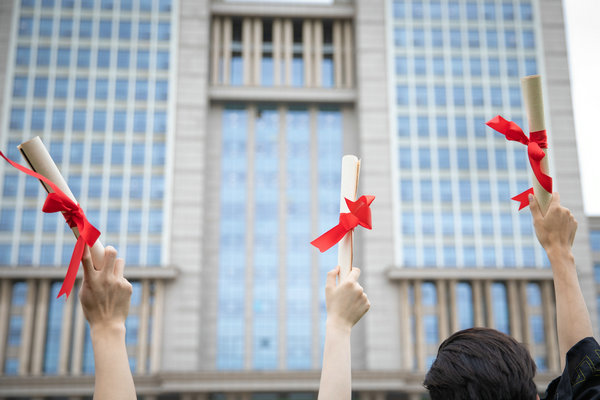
{"points": [[530, 197]]}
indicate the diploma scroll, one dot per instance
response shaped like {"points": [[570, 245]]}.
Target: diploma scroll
{"points": [[40, 161], [534, 105], [349, 187]]}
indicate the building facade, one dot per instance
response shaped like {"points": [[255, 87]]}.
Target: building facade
{"points": [[204, 139]]}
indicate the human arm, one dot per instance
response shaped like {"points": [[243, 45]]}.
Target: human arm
{"points": [[105, 296], [346, 304], [556, 232]]}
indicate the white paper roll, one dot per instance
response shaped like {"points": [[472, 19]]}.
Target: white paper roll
{"points": [[40, 161], [534, 105], [349, 186]]}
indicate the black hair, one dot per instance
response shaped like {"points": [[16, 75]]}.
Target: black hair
{"points": [[481, 363]]}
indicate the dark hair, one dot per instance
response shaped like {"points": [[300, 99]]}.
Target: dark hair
{"points": [[481, 363]]}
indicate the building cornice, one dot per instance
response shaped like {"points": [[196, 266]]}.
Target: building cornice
{"points": [[31, 272], [533, 274], [286, 94], [258, 9]]}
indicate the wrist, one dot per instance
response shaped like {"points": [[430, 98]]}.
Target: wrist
{"points": [[112, 329], [335, 324], [560, 253]]}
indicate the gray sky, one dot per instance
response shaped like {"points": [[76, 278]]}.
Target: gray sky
{"points": [[583, 40]]}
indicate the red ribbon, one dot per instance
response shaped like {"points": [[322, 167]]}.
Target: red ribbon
{"points": [[59, 201], [535, 143], [360, 214]]}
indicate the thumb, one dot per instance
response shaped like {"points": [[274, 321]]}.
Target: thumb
{"points": [[88, 265], [534, 207], [354, 274], [331, 277]]}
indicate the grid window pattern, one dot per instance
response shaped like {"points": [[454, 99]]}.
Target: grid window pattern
{"points": [[265, 158], [93, 80], [457, 65]]}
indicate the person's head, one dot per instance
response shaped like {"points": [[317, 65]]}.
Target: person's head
{"points": [[481, 363]]}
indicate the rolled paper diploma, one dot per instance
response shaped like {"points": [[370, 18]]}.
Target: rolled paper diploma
{"points": [[40, 161], [534, 105], [349, 186]]}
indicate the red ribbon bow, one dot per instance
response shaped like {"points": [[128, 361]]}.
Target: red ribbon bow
{"points": [[535, 143], [59, 201], [360, 214]]}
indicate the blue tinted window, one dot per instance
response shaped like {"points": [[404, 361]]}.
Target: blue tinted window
{"points": [[403, 126], [464, 303], [115, 187], [139, 121], [447, 223], [512, 66], [406, 190], [101, 89], [489, 9], [162, 90], [514, 94], [157, 187], [162, 60], [410, 255], [144, 30], [595, 240], [510, 38], [85, 28], [482, 158], [503, 190], [473, 36], [494, 66], [134, 222], [508, 11], [423, 126], [506, 226], [158, 153], [460, 124], [63, 58], [528, 39], [113, 221], [76, 153], [23, 55], [526, 11], [424, 158], [399, 9], [440, 95], [496, 96], [164, 31], [79, 119], [40, 87], [58, 120], [465, 190], [435, 10], [66, 27], [141, 89], [426, 190], [121, 89], [164, 5], [408, 223], [491, 37], [117, 156], [458, 93], [47, 3], [455, 38], [501, 161], [446, 190], [125, 30], [160, 122], [97, 153], [83, 58], [37, 119], [105, 28], [81, 88], [20, 86], [471, 11], [106, 4], [489, 256], [43, 56], [17, 117], [123, 59], [428, 224], [530, 66], [99, 123], [155, 220], [419, 37], [467, 224], [421, 94], [404, 157], [45, 27], [454, 10], [420, 66], [119, 121], [402, 95], [10, 185], [437, 38], [137, 154], [143, 59], [153, 254], [443, 158], [103, 60], [438, 66], [7, 219], [400, 37], [462, 155], [25, 26], [441, 126], [477, 95]]}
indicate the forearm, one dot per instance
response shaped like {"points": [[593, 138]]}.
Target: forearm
{"points": [[572, 316], [336, 380], [113, 378]]}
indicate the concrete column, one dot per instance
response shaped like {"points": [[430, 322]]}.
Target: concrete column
{"points": [[515, 304], [348, 55], [419, 331], [338, 52], [157, 326], [549, 311], [216, 53], [5, 295], [453, 308], [27, 331], [487, 295], [227, 33], [526, 339], [277, 51], [478, 317], [406, 334], [318, 52], [247, 50], [288, 44], [257, 31], [307, 47], [65, 336], [39, 336], [142, 348], [78, 341], [442, 309]]}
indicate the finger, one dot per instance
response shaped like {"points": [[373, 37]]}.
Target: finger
{"points": [[88, 265], [534, 206], [110, 256], [354, 274], [331, 277], [555, 198], [119, 267]]}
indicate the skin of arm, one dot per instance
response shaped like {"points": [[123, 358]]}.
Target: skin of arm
{"points": [[105, 296], [556, 232], [346, 304]]}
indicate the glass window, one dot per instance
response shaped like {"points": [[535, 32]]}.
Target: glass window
{"points": [[526, 11], [141, 89], [85, 28], [420, 66], [23, 55], [63, 58], [97, 153], [162, 90], [81, 88], [137, 153], [530, 66], [475, 66], [514, 94], [119, 121], [399, 9], [10, 185], [512, 66], [526, 223], [40, 87], [117, 156], [158, 153], [417, 10], [20, 86], [46, 27], [144, 30], [121, 89], [491, 37], [424, 158], [443, 158], [496, 96], [164, 5], [83, 58], [528, 39], [441, 126], [457, 66], [482, 158], [79, 120], [503, 190], [438, 66], [423, 126], [508, 11], [7, 219], [126, 5], [459, 95], [115, 188], [103, 60], [157, 187], [401, 65], [435, 10], [76, 153], [472, 11], [403, 125], [460, 126], [440, 95], [473, 35], [402, 95], [437, 37], [406, 190], [17, 117], [447, 224], [421, 94], [139, 121], [428, 224], [408, 223], [462, 155], [43, 56], [477, 95], [155, 220], [445, 190], [494, 66], [99, 123], [465, 190], [143, 59], [489, 9], [454, 10], [37, 119], [25, 26], [508, 256], [123, 58], [66, 27], [506, 226], [58, 120], [105, 30], [162, 60], [595, 240], [418, 37], [113, 221], [510, 38], [125, 30], [404, 157], [101, 89], [400, 37], [455, 38], [501, 161], [164, 30], [160, 122], [47, 3], [426, 190]]}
